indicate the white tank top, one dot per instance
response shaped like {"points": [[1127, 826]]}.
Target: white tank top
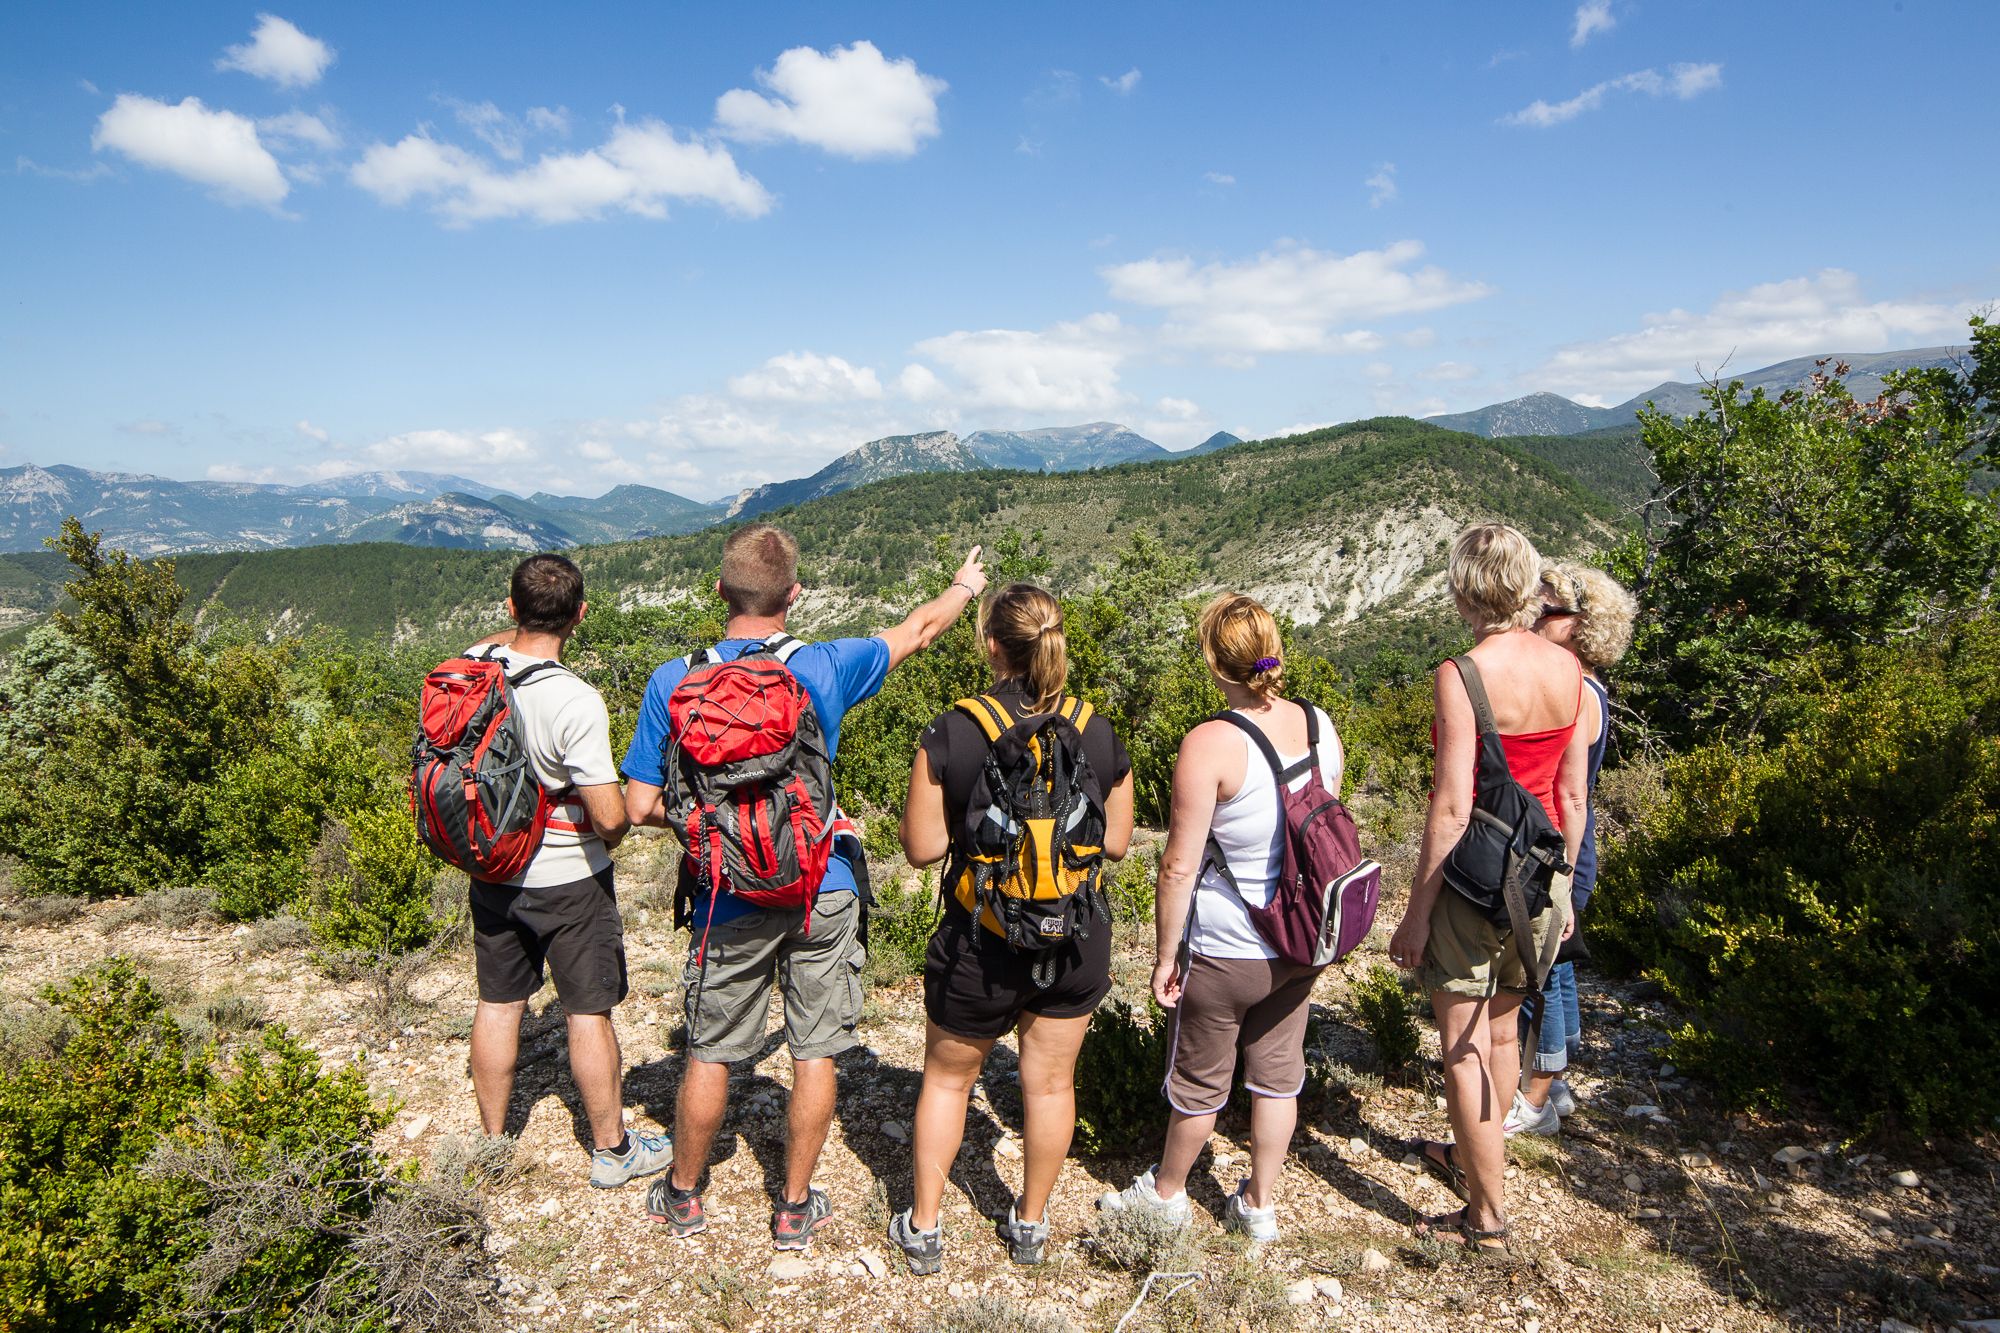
{"points": [[1246, 828]]}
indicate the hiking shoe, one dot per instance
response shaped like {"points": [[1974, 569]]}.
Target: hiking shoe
{"points": [[1025, 1240], [648, 1153], [1259, 1224], [1527, 1118], [792, 1224], [1141, 1197], [1562, 1098], [680, 1209], [922, 1250]]}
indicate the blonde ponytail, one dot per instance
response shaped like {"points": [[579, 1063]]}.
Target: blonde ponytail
{"points": [[1240, 641], [1026, 623]]}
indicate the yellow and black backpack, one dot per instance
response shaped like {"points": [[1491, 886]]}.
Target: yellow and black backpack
{"points": [[1033, 841]]}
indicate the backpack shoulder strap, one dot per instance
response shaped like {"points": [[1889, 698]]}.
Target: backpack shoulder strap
{"points": [[1077, 712], [783, 646], [1264, 746], [1475, 691], [991, 715]]}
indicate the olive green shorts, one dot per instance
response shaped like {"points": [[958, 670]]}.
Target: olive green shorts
{"points": [[1469, 955], [816, 966]]}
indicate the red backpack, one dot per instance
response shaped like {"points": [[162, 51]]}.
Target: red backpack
{"points": [[748, 780], [1323, 899], [476, 799]]}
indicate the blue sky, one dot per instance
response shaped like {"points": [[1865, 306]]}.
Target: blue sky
{"points": [[704, 247]]}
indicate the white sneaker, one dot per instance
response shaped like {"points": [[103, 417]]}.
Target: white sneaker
{"points": [[1141, 1197], [1562, 1098], [1259, 1224], [1526, 1118]]}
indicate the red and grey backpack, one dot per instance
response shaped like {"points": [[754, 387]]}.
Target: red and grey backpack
{"points": [[475, 797], [748, 782], [1323, 898]]}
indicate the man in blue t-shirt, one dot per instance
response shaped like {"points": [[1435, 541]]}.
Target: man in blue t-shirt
{"points": [[737, 950]]}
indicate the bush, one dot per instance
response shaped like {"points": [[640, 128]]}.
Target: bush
{"points": [[1118, 1072], [1382, 1002], [996, 1313], [1128, 886], [899, 929], [1827, 906], [371, 894]]}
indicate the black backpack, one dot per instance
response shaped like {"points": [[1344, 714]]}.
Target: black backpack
{"points": [[1510, 849]]}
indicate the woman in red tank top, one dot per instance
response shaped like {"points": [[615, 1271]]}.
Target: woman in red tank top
{"points": [[1470, 966]]}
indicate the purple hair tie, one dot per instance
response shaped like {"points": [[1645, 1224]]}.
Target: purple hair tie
{"points": [[1267, 664]]}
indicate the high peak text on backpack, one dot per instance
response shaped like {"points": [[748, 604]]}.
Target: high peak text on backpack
{"points": [[476, 800], [748, 780], [1034, 831], [1324, 897]]}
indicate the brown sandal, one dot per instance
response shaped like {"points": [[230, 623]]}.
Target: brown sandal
{"points": [[1444, 1165], [1495, 1244]]}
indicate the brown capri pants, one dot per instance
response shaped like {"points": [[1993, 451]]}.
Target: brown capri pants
{"points": [[1254, 1005]]}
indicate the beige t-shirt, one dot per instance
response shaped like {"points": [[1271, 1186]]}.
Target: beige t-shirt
{"points": [[569, 745]]}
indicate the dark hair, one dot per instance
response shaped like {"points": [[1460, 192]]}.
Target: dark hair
{"points": [[547, 592], [760, 564]]}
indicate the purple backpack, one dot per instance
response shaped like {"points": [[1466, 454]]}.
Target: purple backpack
{"points": [[1323, 900]]}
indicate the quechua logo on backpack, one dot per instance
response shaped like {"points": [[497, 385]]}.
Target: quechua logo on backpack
{"points": [[1033, 840]]}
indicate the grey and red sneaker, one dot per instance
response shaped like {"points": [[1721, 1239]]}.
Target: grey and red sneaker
{"points": [[679, 1209], [792, 1224]]}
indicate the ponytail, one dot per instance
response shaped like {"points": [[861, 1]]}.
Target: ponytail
{"points": [[1026, 623]]}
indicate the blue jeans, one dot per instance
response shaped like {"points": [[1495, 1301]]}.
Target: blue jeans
{"points": [[1562, 1027]]}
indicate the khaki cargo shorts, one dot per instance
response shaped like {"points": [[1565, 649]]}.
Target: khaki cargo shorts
{"points": [[1469, 955], [728, 996]]}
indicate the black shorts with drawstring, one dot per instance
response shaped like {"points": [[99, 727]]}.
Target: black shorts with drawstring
{"points": [[977, 986]]}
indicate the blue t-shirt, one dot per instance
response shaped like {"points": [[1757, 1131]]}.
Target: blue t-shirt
{"points": [[1586, 855], [837, 674]]}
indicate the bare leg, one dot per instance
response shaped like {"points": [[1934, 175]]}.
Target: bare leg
{"points": [[594, 1062], [698, 1112], [1272, 1120], [1536, 1088], [951, 1067], [1048, 1097], [1474, 1100], [810, 1117], [1506, 1048], [1187, 1135], [496, 1047]]}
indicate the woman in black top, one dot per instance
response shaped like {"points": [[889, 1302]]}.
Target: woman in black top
{"points": [[977, 987]]}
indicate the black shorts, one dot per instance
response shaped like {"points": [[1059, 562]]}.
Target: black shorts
{"points": [[572, 927], [977, 986]]}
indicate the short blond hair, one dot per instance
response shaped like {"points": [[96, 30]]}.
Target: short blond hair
{"points": [[1238, 636], [1496, 574], [1605, 611], [760, 564]]}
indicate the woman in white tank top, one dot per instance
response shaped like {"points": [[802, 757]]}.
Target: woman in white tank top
{"points": [[1228, 993]]}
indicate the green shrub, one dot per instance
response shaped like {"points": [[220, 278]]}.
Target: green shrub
{"points": [[1118, 1073], [1128, 885], [266, 813], [1383, 1004], [899, 928], [371, 894], [1826, 907]]}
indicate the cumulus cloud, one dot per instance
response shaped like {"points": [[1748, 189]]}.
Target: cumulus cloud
{"points": [[1382, 185], [1683, 81], [1772, 321], [312, 432], [1592, 17], [1122, 84], [1068, 367], [1292, 299], [806, 377], [450, 450], [506, 134], [297, 129], [1178, 409], [279, 52], [219, 149], [637, 170], [919, 383], [851, 101]]}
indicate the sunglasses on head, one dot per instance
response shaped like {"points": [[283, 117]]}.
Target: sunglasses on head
{"points": [[1558, 613]]}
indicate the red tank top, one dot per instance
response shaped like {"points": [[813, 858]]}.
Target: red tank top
{"points": [[1534, 757]]}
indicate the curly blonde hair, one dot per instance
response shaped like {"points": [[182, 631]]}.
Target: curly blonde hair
{"points": [[1492, 571], [1606, 611]]}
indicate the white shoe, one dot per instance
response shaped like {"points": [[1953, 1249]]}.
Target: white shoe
{"points": [[1526, 1118], [1259, 1224], [1562, 1098], [1141, 1197]]}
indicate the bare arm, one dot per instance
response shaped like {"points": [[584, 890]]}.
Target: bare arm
{"points": [[645, 805], [922, 626], [1197, 782], [925, 834], [1450, 811], [1118, 819], [606, 808]]}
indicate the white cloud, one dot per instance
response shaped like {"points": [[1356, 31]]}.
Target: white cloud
{"points": [[279, 52], [219, 149], [1682, 81], [151, 426], [1592, 17], [549, 120], [1122, 84], [806, 377], [1450, 371], [850, 101], [505, 134], [312, 432], [1292, 299], [1218, 178], [1382, 185], [450, 450], [636, 170], [297, 129], [1178, 409], [1069, 367], [1770, 322], [919, 383], [27, 166]]}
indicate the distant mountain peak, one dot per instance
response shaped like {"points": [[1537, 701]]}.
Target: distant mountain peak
{"points": [[1222, 439], [890, 456], [1063, 448]]}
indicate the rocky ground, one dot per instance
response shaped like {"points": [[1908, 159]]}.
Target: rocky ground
{"points": [[1652, 1211]]}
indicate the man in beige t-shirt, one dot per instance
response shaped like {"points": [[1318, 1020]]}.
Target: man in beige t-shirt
{"points": [[561, 913]]}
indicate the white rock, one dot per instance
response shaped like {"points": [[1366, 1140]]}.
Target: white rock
{"points": [[1357, 1148], [549, 1207], [416, 1127], [1898, 1326], [873, 1264], [1532, 1326], [1694, 1161], [1643, 1108], [1759, 1179], [1905, 1180], [1791, 1155], [791, 1268], [1632, 1181], [1301, 1292], [1008, 1149], [895, 1132], [1879, 1216], [1330, 1288], [1647, 1214], [1374, 1261]]}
